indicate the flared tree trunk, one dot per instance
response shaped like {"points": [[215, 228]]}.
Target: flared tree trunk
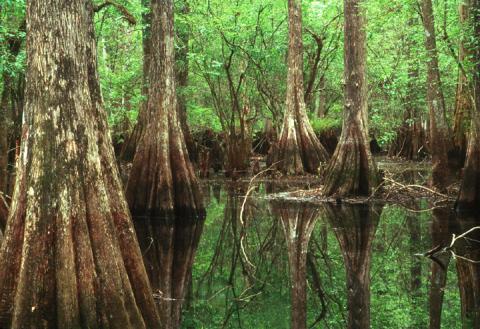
{"points": [[298, 221], [169, 253], [469, 198], [463, 100], [352, 169], [299, 150], [130, 146], [70, 258], [355, 227], [440, 142], [162, 180]]}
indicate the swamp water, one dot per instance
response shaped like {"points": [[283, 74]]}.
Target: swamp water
{"points": [[347, 265]]}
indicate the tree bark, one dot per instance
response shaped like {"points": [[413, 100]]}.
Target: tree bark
{"points": [[298, 222], [355, 228], [182, 72], [130, 146], [70, 257], [352, 169], [439, 131], [463, 100], [162, 180], [13, 44], [299, 150], [469, 197]]}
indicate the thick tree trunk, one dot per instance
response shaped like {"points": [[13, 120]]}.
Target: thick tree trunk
{"points": [[162, 180], [469, 198], [298, 222], [463, 100], [299, 150], [169, 253], [355, 228], [352, 169], [70, 258], [130, 146], [440, 142]]}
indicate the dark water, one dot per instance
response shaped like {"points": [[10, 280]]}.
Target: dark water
{"points": [[272, 264]]}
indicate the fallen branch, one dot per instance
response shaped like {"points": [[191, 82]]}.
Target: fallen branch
{"points": [[432, 254], [250, 189]]}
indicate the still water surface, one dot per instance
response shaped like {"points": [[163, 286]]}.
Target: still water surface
{"points": [[273, 264]]}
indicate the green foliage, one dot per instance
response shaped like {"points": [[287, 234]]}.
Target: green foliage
{"points": [[201, 118], [326, 124], [244, 44]]}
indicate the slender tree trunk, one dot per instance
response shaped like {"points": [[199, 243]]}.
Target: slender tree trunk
{"points": [[469, 198], [162, 180], [355, 228], [299, 150], [4, 129], [70, 258], [352, 169], [182, 71], [298, 222], [463, 100], [322, 98], [13, 44], [439, 131], [130, 146]]}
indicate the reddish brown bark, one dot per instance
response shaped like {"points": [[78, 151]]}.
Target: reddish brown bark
{"points": [[182, 72], [299, 151], [355, 228], [130, 146], [298, 221], [439, 139], [463, 100], [469, 197], [162, 180], [352, 169], [70, 258]]}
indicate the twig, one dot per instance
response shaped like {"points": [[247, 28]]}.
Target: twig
{"points": [[251, 187], [122, 9]]}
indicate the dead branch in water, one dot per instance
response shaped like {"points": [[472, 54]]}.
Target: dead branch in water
{"points": [[250, 189], [438, 250]]}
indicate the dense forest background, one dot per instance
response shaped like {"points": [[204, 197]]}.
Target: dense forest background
{"points": [[236, 52]]}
